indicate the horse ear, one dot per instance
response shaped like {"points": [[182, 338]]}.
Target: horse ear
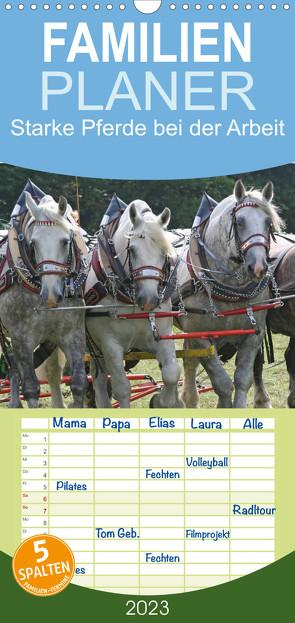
{"points": [[31, 204], [62, 205], [135, 218], [164, 218], [239, 190], [268, 191]]}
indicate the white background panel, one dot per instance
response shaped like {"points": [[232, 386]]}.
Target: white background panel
{"points": [[204, 438], [161, 450], [157, 462], [115, 485], [71, 522], [207, 557], [249, 545], [119, 438], [116, 461], [160, 521], [164, 568], [71, 461], [248, 437], [35, 423], [252, 461], [192, 473], [253, 557], [252, 485], [162, 437], [74, 450], [207, 450], [112, 545], [247, 449], [207, 569], [116, 521], [252, 533], [169, 484], [116, 569], [208, 521], [116, 449], [71, 438]]}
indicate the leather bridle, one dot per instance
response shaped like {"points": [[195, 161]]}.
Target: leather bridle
{"points": [[162, 275], [75, 270], [254, 240]]}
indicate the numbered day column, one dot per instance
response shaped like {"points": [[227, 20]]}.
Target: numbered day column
{"points": [[34, 477], [71, 490], [116, 528], [252, 502]]}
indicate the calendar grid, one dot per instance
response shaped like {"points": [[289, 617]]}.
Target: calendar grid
{"points": [[122, 493]]}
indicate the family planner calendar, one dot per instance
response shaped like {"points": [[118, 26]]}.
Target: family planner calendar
{"points": [[147, 309]]}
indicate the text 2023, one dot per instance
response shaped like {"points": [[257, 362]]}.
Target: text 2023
{"points": [[151, 608]]}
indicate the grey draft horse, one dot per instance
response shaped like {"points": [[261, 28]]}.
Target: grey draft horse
{"points": [[142, 247], [238, 234], [49, 234]]}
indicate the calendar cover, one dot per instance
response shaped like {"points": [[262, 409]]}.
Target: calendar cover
{"points": [[147, 264]]}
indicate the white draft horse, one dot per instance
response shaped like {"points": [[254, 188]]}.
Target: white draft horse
{"points": [[234, 273], [57, 264], [143, 249]]}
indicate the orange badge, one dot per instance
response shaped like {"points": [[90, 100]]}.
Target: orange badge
{"points": [[43, 565]]}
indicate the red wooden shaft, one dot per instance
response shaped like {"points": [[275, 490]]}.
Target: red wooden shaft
{"points": [[141, 315], [243, 310], [205, 334], [47, 395]]}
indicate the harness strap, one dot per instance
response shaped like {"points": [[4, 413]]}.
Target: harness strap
{"points": [[42, 352], [269, 343], [107, 249], [202, 244], [4, 347]]}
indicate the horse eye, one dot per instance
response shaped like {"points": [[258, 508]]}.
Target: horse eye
{"points": [[240, 222]]}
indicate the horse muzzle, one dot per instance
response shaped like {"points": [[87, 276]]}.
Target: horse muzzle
{"points": [[256, 267], [50, 294], [148, 304]]}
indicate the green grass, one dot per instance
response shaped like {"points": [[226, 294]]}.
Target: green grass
{"points": [[275, 378]]}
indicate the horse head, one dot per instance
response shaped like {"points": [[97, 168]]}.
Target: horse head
{"points": [[254, 218], [50, 239], [148, 251]]}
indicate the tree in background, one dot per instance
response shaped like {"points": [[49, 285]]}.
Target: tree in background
{"points": [[181, 196]]}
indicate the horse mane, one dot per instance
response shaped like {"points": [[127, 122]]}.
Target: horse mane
{"points": [[48, 209], [151, 229], [270, 208]]}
